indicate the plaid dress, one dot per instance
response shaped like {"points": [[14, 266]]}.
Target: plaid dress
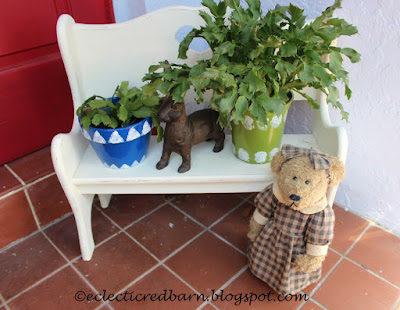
{"points": [[284, 236]]}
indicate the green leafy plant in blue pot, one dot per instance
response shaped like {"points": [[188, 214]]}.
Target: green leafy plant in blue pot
{"points": [[119, 127]]}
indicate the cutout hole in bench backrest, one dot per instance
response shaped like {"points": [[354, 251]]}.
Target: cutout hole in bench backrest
{"points": [[198, 44]]}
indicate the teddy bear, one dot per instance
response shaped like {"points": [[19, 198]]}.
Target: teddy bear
{"points": [[292, 225]]}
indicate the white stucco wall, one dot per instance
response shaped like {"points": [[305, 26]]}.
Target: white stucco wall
{"points": [[372, 186]]}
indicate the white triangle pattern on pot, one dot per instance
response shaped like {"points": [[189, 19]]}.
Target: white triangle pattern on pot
{"points": [[146, 128], [132, 134], [135, 163], [144, 156], [115, 138], [125, 166], [98, 138], [86, 134], [113, 166]]}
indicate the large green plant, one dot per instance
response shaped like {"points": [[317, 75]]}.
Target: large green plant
{"points": [[133, 104], [258, 60]]}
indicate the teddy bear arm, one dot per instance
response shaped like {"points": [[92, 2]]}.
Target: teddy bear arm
{"points": [[308, 263], [312, 260], [254, 229]]}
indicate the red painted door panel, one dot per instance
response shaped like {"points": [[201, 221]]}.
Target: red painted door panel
{"points": [[25, 24], [35, 99]]}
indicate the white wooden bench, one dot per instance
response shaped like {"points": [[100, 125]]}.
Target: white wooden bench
{"points": [[99, 57]]}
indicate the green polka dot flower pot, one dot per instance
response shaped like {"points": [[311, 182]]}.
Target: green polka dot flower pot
{"points": [[257, 144]]}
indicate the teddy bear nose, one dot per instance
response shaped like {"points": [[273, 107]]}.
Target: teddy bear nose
{"points": [[294, 197]]}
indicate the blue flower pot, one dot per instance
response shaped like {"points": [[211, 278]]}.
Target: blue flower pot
{"points": [[121, 147]]}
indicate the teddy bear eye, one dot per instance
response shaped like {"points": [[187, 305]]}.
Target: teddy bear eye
{"points": [[294, 178], [308, 182]]}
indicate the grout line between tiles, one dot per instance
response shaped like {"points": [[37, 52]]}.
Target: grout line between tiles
{"points": [[358, 239], [2, 300], [322, 281], [134, 222], [208, 229], [226, 284], [41, 229], [69, 263], [397, 305], [371, 221], [12, 192], [31, 206], [371, 272], [15, 174], [319, 304], [37, 283], [159, 262], [16, 242]]}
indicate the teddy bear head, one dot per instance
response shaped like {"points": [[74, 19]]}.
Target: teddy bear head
{"points": [[304, 176]]}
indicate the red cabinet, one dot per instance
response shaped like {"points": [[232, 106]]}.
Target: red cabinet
{"points": [[35, 100]]}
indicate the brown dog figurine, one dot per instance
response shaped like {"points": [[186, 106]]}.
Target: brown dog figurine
{"points": [[182, 132]]}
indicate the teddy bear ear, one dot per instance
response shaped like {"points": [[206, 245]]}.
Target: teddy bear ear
{"points": [[337, 172], [277, 162]]}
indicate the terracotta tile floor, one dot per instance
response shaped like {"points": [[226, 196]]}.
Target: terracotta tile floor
{"points": [[183, 245]]}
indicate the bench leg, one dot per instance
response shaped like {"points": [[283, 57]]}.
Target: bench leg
{"points": [[104, 200], [82, 208]]}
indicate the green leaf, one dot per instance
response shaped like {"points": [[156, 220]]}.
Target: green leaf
{"points": [[311, 102], [166, 87], [257, 111], [171, 75], [179, 91], [197, 70], [270, 104], [295, 12], [96, 119], [184, 45], [335, 62], [135, 104], [153, 68], [160, 133], [123, 89], [150, 88], [271, 73], [237, 69], [223, 120], [347, 91], [333, 95], [143, 112], [288, 49], [306, 75], [97, 104], [85, 122], [255, 83], [151, 101], [241, 106], [226, 48], [113, 123], [313, 56], [321, 73], [211, 5], [353, 55], [227, 102], [122, 113], [106, 120], [222, 8], [207, 18]]}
